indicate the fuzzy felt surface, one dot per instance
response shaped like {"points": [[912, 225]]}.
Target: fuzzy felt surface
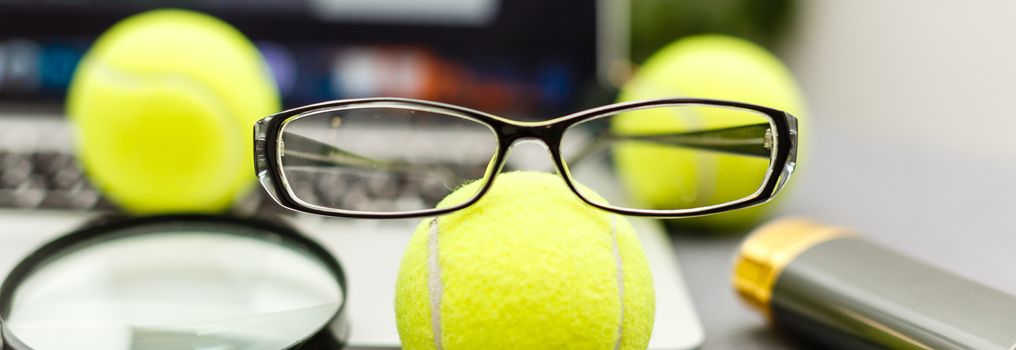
{"points": [[529, 266]]}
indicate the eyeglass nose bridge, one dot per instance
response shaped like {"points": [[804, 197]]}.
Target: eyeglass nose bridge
{"points": [[546, 136], [549, 134]]}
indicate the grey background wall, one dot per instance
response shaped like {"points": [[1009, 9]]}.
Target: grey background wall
{"points": [[913, 115], [927, 71]]}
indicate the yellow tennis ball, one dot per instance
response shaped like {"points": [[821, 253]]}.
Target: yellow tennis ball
{"points": [[529, 266], [706, 66], [163, 105]]}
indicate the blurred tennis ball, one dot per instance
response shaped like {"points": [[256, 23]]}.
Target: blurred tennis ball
{"points": [[529, 266], [706, 66], [163, 106]]}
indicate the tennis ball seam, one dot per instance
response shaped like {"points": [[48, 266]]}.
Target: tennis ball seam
{"points": [[436, 287], [619, 263]]}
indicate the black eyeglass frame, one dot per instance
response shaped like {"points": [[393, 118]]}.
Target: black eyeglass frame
{"points": [[267, 160]]}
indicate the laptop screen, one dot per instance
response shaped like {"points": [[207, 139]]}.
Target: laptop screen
{"points": [[521, 58]]}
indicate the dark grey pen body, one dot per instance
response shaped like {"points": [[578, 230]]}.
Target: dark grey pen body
{"points": [[839, 290]]}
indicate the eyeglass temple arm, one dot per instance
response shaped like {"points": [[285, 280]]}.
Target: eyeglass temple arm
{"points": [[323, 154], [741, 140], [749, 140]]}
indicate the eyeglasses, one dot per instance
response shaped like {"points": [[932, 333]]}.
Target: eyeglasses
{"points": [[397, 158]]}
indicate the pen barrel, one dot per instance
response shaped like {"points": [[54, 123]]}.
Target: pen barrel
{"points": [[840, 290]]}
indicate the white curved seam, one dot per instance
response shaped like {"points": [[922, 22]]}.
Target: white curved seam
{"points": [[434, 283], [620, 280]]}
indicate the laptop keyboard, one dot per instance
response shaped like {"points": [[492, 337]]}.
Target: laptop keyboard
{"points": [[38, 170], [52, 180], [45, 180]]}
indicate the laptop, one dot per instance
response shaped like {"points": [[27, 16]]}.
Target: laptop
{"points": [[43, 195], [552, 51]]}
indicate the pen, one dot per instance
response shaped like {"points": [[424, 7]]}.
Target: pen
{"points": [[836, 289]]}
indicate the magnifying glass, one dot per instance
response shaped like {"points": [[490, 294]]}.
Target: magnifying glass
{"points": [[176, 282]]}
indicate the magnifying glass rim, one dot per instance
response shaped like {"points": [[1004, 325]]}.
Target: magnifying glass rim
{"points": [[335, 332]]}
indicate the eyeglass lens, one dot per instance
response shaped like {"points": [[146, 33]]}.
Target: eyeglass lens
{"points": [[378, 158], [670, 157]]}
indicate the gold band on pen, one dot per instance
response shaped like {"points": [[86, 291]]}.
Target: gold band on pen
{"points": [[767, 251]]}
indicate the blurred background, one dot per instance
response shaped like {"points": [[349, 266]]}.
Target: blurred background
{"points": [[908, 101], [520, 56]]}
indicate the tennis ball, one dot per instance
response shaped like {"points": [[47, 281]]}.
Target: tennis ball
{"points": [[529, 266], [163, 105], [706, 66]]}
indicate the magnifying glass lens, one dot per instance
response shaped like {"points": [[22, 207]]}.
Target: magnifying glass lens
{"points": [[180, 289]]}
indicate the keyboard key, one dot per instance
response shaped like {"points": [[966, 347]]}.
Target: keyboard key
{"points": [[8, 159], [27, 195], [382, 187], [51, 162], [78, 199], [7, 199], [103, 204], [16, 172], [66, 179]]}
